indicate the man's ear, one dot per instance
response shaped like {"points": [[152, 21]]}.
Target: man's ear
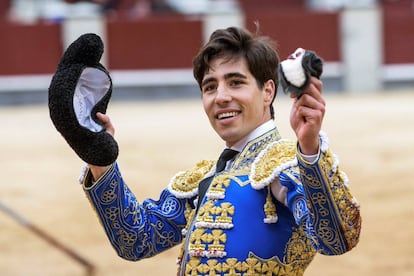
{"points": [[269, 91]]}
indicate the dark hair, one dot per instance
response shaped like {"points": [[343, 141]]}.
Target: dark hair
{"points": [[233, 43]]}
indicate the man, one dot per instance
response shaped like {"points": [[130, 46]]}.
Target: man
{"points": [[272, 206]]}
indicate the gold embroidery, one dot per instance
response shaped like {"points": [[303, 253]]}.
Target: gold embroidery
{"points": [[270, 208], [299, 249], [212, 267], [200, 240], [208, 240], [238, 180], [109, 195], [299, 253], [215, 239], [189, 212], [223, 213], [185, 184], [253, 148], [253, 266], [278, 156], [112, 213], [195, 240], [348, 208], [209, 215], [344, 205], [218, 186], [206, 211], [192, 267], [233, 267]]}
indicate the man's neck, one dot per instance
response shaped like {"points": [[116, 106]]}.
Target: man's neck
{"points": [[260, 130]]}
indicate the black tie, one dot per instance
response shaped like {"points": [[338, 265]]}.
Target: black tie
{"points": [[225, 156]]}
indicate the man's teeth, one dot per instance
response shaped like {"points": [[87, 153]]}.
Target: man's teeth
{"points": [[227, 114]]}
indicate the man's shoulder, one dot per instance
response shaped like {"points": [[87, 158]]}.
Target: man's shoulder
{"points": [[185, 184], [271, 161]]}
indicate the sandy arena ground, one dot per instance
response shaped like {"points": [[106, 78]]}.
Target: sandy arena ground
{"points": [[372, 134]]}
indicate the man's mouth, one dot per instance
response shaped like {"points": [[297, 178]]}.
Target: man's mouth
{"points": [[226, 115]]}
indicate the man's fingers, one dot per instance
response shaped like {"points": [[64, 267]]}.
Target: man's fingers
{"points": [[106, 122], [314, 89], [102, 117], [317, 83]]}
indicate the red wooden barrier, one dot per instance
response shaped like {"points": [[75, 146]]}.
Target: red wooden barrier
{"points": [[398, 36], [152, 43], [29, 49], [297, 28], [171, 41]]}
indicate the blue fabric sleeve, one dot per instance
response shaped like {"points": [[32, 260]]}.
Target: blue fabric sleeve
{"points": [[136, 230], [319, 199]]}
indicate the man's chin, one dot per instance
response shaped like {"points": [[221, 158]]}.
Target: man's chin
{"points": [[229, 137]]}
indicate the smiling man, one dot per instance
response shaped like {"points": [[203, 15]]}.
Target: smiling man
{"points": [[269, 208], [233, 101]]}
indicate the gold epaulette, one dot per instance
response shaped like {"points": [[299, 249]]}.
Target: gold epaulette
{"points": [[270, 162], [185, 184]]}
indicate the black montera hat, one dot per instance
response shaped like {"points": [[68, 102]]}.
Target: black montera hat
{"points": [[79, 89], [296, 70]]}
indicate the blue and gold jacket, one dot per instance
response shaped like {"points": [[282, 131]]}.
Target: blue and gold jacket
{"points": [[240, 228]]}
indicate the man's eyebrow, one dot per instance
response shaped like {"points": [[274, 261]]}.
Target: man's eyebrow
{"points": [[205, 81], [235, 75], [226, 76]]}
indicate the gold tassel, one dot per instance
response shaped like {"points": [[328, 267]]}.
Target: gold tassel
{"points": [[270, 208]]}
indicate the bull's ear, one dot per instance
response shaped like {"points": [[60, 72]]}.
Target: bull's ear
{"points": [[296, 70]]}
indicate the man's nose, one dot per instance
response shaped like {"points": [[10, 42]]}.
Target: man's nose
{"points": [[223, 93]]}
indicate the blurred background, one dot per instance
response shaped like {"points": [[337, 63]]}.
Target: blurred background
{"points": [[367, 47], [366, 44]]}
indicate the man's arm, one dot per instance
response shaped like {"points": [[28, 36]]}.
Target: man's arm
{"points": [[98, 171], [307, 115], [333, 222], [135, 230], [318, 195]]}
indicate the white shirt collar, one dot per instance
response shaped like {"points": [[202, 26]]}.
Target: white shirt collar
{"points": [[260, 130]]}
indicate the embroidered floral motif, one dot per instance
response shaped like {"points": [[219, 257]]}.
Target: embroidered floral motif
{"points": [[299, 253], [331, 198], [299, 249], [275, 158], [217, 187], [278, 158], [109, 195], [348, 206], [270, 208], [204, 244], [185, 184], [211, 216], [250, 152], [196, 246]]}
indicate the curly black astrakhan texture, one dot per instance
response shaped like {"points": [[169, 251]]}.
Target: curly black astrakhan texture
{"points": [[96, 148]]}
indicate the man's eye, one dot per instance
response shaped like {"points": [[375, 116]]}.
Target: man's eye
{"points": [[236, 82], [208, 88]]}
